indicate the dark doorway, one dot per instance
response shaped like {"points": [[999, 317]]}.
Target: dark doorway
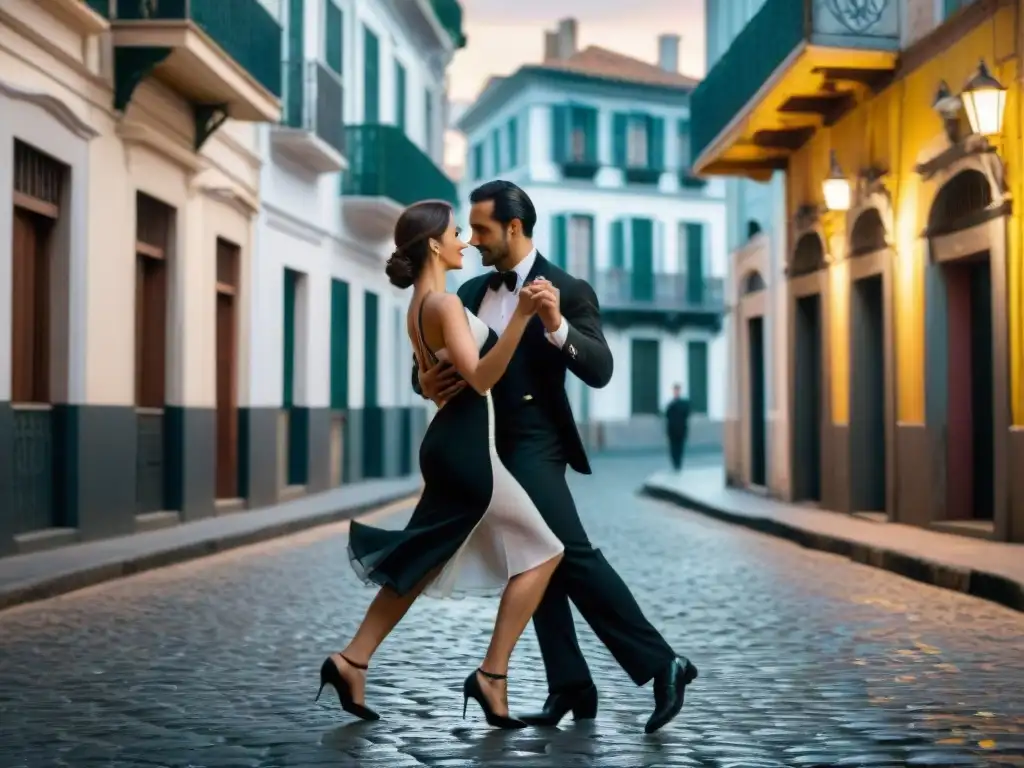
{"points": [[646, 372], [807, 411], [969, 450], [867, 396], [755, 351]]}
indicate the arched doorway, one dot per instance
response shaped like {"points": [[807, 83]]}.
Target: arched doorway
{"points": [[869, 258], [960, 395], [808, 258], [753, 284]]}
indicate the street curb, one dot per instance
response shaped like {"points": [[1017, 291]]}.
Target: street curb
{"points": [[61, 584], [988, 586]]}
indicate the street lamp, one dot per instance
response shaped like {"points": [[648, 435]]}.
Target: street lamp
{"points": [[984, 100], [836, 188]]}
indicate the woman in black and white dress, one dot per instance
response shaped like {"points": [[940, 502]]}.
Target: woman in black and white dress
{"points": [[474, 530]]}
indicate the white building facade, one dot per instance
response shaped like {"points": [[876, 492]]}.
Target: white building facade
{"points": [[362, 136], [600, 143], [194, 316]]}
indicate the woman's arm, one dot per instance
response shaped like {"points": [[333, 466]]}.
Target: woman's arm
{"points": [[481, 373]]}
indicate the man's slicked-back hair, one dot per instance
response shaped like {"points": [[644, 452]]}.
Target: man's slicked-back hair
{"points": [[510, 202]]}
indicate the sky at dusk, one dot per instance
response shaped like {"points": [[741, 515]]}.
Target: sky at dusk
{"points": [[505, 34]]}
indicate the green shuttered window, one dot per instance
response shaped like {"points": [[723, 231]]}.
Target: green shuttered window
{"points": [[371, 77], [339, 344], [638, 141], [574, 134]]}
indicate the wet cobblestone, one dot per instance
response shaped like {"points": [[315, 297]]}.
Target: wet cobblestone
{"points": [[806, 660]]}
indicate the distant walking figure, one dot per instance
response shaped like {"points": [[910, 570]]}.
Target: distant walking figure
{"points": [[677, 424]]}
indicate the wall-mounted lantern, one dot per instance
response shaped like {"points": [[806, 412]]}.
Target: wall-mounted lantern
{"points": [[984, 100], [836, 188]]}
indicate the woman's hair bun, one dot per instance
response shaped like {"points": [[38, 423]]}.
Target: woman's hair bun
{"points": [[399, 270]]}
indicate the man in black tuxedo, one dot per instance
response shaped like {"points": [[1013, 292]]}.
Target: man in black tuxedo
{"points": [[537, 437]]}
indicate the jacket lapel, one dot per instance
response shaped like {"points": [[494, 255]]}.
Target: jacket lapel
{"points": [[477, 295]]}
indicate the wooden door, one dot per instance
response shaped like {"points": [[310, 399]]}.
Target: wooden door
{"points": [[227, 413]]}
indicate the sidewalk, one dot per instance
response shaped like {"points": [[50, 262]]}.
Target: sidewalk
{"points": [[39, 575], [990, 570]]}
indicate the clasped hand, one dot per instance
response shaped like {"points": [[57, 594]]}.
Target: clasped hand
{"points": [[441, 381]]}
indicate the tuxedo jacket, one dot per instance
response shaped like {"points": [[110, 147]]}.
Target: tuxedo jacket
{"points": [[585, 352]]}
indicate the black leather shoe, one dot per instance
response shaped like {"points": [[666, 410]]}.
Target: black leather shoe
{"points": [[582, 702], [669, 690]]}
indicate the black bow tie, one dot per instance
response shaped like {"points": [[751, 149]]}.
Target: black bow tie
{"points": [[496, 279]]}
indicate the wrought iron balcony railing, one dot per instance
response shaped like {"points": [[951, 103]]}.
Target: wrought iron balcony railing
{"points": [[620, 289], [383, 162], [245, 29], [314, 101]]}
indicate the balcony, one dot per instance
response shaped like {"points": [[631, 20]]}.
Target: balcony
{"points": [[670, 300], [433, 22], [795, 66], [312, 132], [223, 56], [87, 17], [386, 173]]}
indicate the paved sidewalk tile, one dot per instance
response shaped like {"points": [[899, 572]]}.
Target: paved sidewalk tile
{"points": [[39, 575], [988, 569]]}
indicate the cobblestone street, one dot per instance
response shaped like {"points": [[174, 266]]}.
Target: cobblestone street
{"points": [[806, 659]]}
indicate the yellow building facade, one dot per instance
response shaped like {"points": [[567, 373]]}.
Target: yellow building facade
{"points": [[905, 310]]}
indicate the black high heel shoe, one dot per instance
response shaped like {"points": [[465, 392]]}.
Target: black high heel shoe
{"points": [[471, 690], [330, 674]]}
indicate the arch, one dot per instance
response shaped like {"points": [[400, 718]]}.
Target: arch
{"points": [[808, 255], [868, 234], [752, 283], [963, 201]]}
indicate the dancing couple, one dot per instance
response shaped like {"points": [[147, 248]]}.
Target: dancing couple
{"points": [[496, 512]]}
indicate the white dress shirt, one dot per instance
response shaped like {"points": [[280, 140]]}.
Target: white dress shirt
{"points": [[497, 307]]}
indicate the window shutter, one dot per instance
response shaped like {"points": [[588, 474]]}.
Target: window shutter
{"points": [[496, 151], [620, 124], [400, 96], [697, 370], [288, 351], [694, 262], [371, 78], [685, 161], [590, 131], [339, 344], [656, 143], [643, 259], [370, 349], [513, 142], [560, 133], [618, 245], [561, 239], [589, 275]]}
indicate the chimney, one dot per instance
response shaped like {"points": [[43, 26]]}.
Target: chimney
{"points": [[668, 52], [566, 38], [550, 46]]}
